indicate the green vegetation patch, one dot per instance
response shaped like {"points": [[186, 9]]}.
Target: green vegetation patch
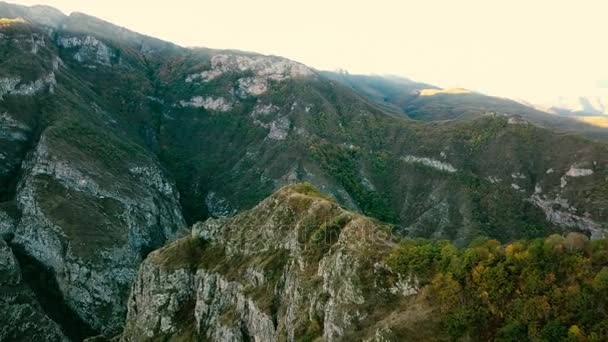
{"points": [[344, 164], [90, 224], [183, 253], [309, 190], [553, 289]]}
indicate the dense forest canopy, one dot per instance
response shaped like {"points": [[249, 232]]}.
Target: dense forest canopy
{"points": [[541, 290]]}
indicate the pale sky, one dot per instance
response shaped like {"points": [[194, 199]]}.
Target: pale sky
{"points": [[531, 49]]}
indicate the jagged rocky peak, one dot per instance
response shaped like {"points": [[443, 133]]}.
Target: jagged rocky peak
{"points": [[270, 67], [88, 49], [296, 266]]}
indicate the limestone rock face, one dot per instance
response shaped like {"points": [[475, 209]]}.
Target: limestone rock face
{"points": [[296, 266], [79, 200], [209, 103], [14, 86], [560, 212], [22, 318], [7, 223], [92, 225], [88, 50], [264, 67]]}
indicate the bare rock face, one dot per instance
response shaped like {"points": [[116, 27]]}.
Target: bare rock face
{"points": [[296, 266], [14, 86], [217, 205], [436, 164], [12, 129], [7, 223], [22, 317], [81, 204], [264, 67], [560, 212], [90, 223], [259, 72], [578, 172], [218, 104], [88, 50]]}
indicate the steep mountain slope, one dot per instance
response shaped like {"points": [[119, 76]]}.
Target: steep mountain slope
{"points": [[22, 316], [441, 180], [112, 142], [84, 203], [296, 266], [408, 98]]}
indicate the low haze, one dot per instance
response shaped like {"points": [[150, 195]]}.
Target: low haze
{"points": [[526, 49]]}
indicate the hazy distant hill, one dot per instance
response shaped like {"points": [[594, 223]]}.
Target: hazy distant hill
{"points": [[403, 95], [580, 105]]}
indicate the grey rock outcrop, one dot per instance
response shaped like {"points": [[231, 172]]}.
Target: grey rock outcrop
{"points": [[22, 317], [88, 50], [92, 224], [296, 266]]}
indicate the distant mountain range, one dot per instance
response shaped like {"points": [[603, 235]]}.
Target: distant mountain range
{"points": [[396, 90], [592, 110], [427, 102]]}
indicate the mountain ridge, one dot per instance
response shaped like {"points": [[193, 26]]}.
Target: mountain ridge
{"points": [[408, 100], [298, 267]]}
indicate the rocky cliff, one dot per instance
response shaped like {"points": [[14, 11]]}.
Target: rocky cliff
{"points": [[81, 204], [22, 316], [91, 226], [295, 267]]}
